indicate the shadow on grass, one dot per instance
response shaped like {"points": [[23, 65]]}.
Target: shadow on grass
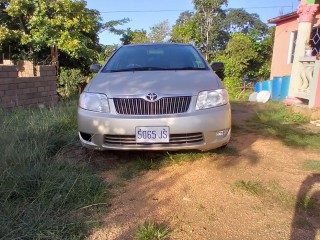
{"points": [[131, 163], [306, 219], [276, 120], [292, 128]]}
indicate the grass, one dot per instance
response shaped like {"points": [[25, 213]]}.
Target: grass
{"points": [[272, 192], [252, 187], [303, 223], [41, 194], [152, 231], [276, 119], [312, 165], [156, 160], [44, 196], [280, 195], [307, 203]]}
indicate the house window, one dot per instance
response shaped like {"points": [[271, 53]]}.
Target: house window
{"points": [[292, 46], [315, 41]]}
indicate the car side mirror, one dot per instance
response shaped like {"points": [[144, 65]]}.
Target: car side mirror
{"points": [[218, 67], [94, 68]]}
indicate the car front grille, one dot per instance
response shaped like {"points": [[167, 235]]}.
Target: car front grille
{"points": [[139, 106], [187, 138]]}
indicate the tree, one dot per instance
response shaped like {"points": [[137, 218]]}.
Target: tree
{"points": [[111, 26], [106, 52], [184, 29], [184, 17], [31, 28], [209, 17], [240, 51], [237, 38], [136, 36], [260, 67], [140, 36], [160, 32], [68, 24], [238, 20]]}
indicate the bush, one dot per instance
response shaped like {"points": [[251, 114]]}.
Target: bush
{"points": [[70, 82], [234, 86]]}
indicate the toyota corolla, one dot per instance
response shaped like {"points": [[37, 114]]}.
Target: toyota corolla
{"points": [[155, 97]]}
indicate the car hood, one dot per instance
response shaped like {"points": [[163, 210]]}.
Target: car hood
{"points": [[166, 82]]}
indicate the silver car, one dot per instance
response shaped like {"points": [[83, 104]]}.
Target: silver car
{"points": [[154, 97]]}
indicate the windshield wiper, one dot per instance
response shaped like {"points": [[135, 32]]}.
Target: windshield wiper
{"points": [[138, 69], [188, 68]]}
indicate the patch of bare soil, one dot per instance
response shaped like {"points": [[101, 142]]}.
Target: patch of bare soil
{"points": [[203, 200]]}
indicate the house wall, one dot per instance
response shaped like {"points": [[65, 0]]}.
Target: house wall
{"points": [[27, 90], [280, 66]]}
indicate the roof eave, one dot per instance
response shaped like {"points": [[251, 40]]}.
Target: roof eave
{"points": [[282, 18]]}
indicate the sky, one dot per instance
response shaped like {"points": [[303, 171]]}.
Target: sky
{"points": [[144, 14]]}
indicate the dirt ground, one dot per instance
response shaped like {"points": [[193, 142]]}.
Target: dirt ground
{"points": [[204, 199]]}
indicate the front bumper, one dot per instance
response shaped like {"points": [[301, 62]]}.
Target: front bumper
{"points": [[208, 122]]}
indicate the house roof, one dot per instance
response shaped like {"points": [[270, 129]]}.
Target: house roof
{"points": [[282, 18]]}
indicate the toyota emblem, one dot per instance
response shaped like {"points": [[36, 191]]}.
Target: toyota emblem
{"points": [[151, 97]]}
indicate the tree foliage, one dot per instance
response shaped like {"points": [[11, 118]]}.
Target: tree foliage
{"points": [[183, 31], [237, 38], [28, 29], [111, 26], [261, 66], [134, 36], [42, 24], [238, 20], [240, 51], [208, 17], [160, 32], [184, 18]]}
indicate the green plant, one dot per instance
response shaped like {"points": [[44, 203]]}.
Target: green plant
{"points": [[152, 231]]}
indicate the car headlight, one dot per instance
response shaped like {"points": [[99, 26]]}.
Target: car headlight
{"points": [[94, 102], [209, 99]]}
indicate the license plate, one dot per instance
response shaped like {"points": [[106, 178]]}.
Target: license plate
{"points": [[152, 134]]}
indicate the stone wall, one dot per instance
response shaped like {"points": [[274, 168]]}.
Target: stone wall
{"points": [[24, 85]]}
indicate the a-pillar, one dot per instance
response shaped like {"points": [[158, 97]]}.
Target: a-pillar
{"points": [[306, 15]]}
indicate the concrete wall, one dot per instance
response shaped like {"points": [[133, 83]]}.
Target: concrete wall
{"points": [[24, 85]]}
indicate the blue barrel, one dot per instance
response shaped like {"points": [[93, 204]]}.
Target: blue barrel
{"points": [[258, 87], [267, 86], [285, 87], [276, 88]]}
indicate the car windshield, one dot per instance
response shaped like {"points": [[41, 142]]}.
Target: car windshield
{"points": [[154, 58]]}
